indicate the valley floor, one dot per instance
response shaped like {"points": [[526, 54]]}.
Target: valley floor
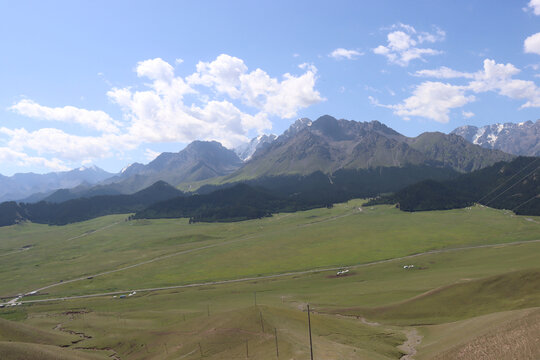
{"points": [[240, 290]]}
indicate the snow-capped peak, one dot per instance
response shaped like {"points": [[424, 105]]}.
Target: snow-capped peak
{"points": [[125, 168], [246, 151], [516, 138]]}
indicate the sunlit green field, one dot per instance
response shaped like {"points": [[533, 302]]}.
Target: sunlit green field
{"points": [[239, 320]]}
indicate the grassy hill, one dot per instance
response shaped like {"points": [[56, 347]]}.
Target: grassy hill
{"points": [[511, 185], [466, 299]]}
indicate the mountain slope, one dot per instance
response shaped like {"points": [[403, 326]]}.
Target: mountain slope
{"points": [[452, 150], [517, 139], [505, 185], [328, 145]]}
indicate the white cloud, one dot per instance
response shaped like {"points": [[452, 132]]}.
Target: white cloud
{"points": [[467, 114], [534, 6], [226, 103], [341, 53], [151, 154], [443, 73], [155, 69], [229, 75], [531, 45], [293, 94], [10, 156], [432, 100], [498, 78], [401, 47], [97, 120], [68, 147], [223, 74]]}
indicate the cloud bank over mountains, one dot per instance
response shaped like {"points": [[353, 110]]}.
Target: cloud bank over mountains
{"points": [[434, 100], [222, 100], [424, 73]]}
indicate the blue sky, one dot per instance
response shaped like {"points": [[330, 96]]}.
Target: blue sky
{"points": [[113, 82]]}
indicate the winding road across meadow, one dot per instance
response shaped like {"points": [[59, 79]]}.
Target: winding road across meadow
{"points": [[252, 278]]}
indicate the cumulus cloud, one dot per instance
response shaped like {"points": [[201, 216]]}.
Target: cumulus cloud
{"points": [[229, 75], [498, 78], [531, 45], [222, 100], [97, 120], [55, 142], [534, 6], [223, 74], [10, 156], [403, 44], [341, 53], [432, 100], [155, 69], [435, 100]]}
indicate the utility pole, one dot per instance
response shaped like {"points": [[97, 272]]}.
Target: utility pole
{"points": [[309, 326], [277, 348], [262, 324]]}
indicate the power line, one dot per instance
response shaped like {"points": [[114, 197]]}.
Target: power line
{"points": [[523, 203], [504, 183], [517, 182]]}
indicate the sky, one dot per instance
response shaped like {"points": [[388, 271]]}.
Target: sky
{"points": [[109, 83]]}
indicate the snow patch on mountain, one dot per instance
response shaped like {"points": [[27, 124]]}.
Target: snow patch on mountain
{"points": [[246, 151], [518, 139]]}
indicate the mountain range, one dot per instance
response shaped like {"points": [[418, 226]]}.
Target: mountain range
{"points": [[517, 139], [21, 186], [312, 164], [326, 145], [199, 160]]}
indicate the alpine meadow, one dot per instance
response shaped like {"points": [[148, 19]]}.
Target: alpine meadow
{"points": [[270, 180]]}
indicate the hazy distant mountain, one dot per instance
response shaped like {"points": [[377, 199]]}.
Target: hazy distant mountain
{"points": [[23, 185], [517, 139], [245, 151], [199, 160], [328, 144]]}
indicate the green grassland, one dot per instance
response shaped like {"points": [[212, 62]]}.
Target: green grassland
{"points": [[468, 285]]}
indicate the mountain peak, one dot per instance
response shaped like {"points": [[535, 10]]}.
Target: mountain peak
{"points": [[518, 139], [296, 127], [246, 151], [328, 144]]}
